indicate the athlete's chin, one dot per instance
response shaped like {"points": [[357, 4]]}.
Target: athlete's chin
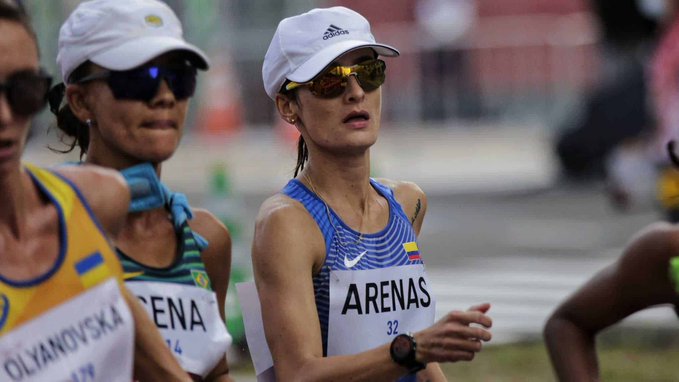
{"points": [[351, 150], [157, 152], [158, 156]]}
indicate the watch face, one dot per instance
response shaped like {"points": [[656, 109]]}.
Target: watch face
{"points": [[402, 346]]}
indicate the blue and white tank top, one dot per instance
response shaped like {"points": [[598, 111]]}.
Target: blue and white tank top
{"points": [[371, 287]]}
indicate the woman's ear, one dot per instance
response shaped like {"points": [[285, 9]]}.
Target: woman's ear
{"points": [[287, 109], [75, 96]]}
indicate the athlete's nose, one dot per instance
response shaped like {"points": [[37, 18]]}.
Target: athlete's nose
{"points": [[354, 92]]}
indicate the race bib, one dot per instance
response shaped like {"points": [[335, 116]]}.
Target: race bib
{"points": [[369, 307], [88, 338], [188, 318]]}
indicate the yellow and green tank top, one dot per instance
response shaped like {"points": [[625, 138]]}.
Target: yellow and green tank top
{"points": [[72, 321], [182, 304]]}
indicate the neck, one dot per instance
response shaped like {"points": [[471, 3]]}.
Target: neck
{"points": [[144, 221], [116, 163], [16, 190], [347, 179]]}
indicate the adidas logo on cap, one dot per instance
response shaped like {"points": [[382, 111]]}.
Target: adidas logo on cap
{"points": [[333, 31]]}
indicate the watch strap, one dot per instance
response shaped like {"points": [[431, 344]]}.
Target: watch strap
{"points": [[408, 360]]}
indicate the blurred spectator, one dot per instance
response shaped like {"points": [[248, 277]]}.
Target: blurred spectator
{"points": [[444, 25], [665, 93], [616, 111], [665, 85]]}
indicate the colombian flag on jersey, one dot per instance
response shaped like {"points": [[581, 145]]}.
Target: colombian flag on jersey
{"points": [[84, 260], [412, 251]]}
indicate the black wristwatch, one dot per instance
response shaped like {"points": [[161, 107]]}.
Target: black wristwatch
{"points": [[402, 350]]}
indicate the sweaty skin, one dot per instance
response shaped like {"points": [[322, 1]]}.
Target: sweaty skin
{"points": [[638, 280], [338, 171]]}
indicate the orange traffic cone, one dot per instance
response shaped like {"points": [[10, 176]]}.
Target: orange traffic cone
{"points": [[222, 112]]}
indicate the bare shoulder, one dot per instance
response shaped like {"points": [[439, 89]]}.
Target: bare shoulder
{"points": [[104, 189], [95, 181], [411, 198], [656, 242], [403, 189], [280, 209], [281, 215], [210, 227], [646, 260], [284, 228]]}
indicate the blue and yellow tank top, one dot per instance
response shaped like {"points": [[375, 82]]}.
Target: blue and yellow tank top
{"points": [[181, 302], [371, 287], [72, 318]]}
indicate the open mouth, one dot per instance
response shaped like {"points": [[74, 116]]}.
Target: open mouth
{"points": [[356, 117], [4, 144]]}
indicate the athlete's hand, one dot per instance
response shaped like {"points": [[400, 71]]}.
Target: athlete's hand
{"points": [[458, 336]]}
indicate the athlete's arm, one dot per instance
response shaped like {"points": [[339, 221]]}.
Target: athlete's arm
{"points": [[639, 279], [153, 360], [288, 249], [414, 203], [217, 260], [106, 193]]}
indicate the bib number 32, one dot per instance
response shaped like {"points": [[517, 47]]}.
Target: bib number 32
{"points": [[392, 328]]}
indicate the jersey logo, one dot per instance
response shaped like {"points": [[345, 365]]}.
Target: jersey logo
{"points": [[201, 279], [412, 251], [92, 270], [4, 310], [153, 21], [351, 263]]}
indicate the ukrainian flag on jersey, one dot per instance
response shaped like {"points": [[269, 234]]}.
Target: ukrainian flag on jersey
{"points": [[85, 257]]}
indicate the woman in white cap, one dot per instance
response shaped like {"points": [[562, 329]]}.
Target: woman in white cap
{"points": [[64, 311], [129, 75], [343, 289]]}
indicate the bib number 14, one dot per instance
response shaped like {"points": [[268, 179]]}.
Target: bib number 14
{"points": [[177, 349]]}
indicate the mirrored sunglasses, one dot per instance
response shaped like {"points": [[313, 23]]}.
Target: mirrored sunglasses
{"points": [[141, 84], [332, 82], [26, 91]]}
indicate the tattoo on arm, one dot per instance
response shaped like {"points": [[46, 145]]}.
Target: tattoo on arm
{"points": [[417, 211]]}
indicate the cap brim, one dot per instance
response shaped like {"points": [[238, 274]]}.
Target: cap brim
{"points": [[137, 52], [308, 70]]}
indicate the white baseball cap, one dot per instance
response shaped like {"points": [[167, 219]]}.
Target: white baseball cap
{"points": [[121, 35], [305, 44]]}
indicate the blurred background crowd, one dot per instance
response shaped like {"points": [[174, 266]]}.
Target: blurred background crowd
{"points": [[540, 122], [579, 69]]}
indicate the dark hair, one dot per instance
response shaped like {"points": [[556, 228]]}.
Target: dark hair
{"points": [[302, 155], [72, 128], [14, 11], [302, 150]]}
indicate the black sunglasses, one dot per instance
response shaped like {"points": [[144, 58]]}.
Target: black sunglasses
{"points": [[141, 84], [26, 91]]}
